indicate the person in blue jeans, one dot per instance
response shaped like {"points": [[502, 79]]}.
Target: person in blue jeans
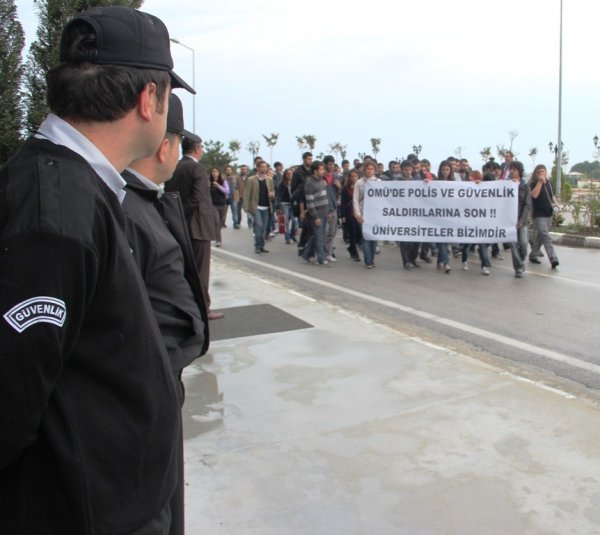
{"points": [[476, 177], [317, 214], [284, 201], [258, 197], [358, 200], [518, 249]]}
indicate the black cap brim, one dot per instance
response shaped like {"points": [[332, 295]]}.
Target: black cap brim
{"points": [[189, 135], [178, 82]]}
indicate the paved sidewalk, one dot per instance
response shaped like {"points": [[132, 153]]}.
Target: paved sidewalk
{"points": [[349, 427]]}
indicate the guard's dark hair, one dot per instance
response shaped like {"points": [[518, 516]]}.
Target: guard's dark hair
{"points": [[86, 91], [406, 163], [306, 155], [328, 159], [188, 146]]}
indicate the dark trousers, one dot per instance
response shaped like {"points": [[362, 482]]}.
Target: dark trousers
{"points": [[201, 250], [409, 251], [354, 233], [178, 498]]}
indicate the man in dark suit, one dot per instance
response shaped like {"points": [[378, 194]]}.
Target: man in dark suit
{"points": [[191, 181]]}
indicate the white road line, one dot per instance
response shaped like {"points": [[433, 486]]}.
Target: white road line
{"points": [[505, 340], [539, 385], [302, 296], [554, 275]]}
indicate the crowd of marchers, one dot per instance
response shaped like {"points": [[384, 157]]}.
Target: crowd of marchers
{"points": [[311, 202]]}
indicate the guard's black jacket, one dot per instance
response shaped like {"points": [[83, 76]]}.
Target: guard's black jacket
{"points": [[89, 415], [157, 232]]}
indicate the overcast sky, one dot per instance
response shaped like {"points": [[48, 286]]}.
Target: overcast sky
{"points": [[433, 73]]}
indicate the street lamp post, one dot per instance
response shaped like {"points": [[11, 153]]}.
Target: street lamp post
{"points": [[559, 142], [558, 159], [417, 149], [178, 42]]}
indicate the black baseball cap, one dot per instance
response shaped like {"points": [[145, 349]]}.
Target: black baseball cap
{"points": [[175, 119], [122, 36]]}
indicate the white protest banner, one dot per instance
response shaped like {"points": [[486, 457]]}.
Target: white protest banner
{"points": [[440, 211]]}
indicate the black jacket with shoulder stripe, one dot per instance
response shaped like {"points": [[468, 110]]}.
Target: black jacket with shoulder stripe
{"points": [[89, 412]]}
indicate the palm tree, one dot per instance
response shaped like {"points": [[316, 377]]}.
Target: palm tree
{"points": [[253, 147], [512, 135], [532, 154], [302, 145], [375, 143], [235, 147], [271, 142], [486, 153], [311, 141]]}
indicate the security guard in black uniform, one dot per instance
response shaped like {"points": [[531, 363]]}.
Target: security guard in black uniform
{"points": [[89, 408], [158, 235]]}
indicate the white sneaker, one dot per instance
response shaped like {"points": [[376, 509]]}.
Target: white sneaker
{"points": [[465, 266], [485, 271], [330, 259]]}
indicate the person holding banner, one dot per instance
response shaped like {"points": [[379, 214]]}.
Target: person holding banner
{"points": [[358, 201], [518, 249], [409, 250], [476, 177]]}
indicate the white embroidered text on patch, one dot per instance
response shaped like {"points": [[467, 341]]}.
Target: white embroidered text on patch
{"points": [[41, 309]]}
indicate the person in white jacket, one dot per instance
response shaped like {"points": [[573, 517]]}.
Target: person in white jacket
{"points": [[358, 200]]}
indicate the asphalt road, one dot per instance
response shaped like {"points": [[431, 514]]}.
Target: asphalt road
{"points": [[543, 326]]}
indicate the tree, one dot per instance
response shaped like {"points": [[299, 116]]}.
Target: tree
{"points": [[337, 148], [235, 147], [591, 169], [501, 149], [302, 145], [12, 41], [533, 152], [253, 147], [44, 51], [215, 155], [512, 135], [458, 152], [310, 141], [375, 144], [486, 153], [271, 142]]}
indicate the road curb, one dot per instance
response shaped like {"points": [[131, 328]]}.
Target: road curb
{"points": [[575, 240]]}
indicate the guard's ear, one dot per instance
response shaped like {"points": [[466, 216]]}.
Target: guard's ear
{"points": [[147, 101], [163, 150]]}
